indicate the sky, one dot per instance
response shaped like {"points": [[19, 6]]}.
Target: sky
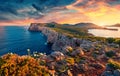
{"points": [[24, 12]]}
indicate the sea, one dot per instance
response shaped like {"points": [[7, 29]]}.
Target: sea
{"points": [[17, 39], [106, 32]]}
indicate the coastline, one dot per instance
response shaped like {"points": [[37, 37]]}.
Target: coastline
{"points": [[71, 56]]}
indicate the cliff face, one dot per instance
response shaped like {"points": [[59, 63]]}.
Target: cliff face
{"points": [[59, 41]]}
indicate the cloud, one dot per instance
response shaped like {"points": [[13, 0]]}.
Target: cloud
{"points": [[48, 5], [100, 12], [31, 8], [7, 9]]}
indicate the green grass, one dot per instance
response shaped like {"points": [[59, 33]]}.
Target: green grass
{"points": [[76, 32]]}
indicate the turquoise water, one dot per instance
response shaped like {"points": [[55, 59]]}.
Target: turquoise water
{"points": [[18, 39]]}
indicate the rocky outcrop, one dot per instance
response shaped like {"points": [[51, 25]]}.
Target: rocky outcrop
{"points": [[57, 55], [111, 71], [78, 52]]}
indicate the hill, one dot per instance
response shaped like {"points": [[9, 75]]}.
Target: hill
{"points": [[76, 30], [88, 25], [116, 25]]}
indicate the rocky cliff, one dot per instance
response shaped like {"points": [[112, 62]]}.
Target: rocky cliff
{"points": [[59, 41]]}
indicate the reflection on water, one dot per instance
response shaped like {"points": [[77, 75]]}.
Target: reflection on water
{"points": [[106, 33]]}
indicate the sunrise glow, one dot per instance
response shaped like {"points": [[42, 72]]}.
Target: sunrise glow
{"points": [[103, 12]]}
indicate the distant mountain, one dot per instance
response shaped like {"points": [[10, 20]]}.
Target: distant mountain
{"points": [[116, 25], [88, 25], [78, 25]]}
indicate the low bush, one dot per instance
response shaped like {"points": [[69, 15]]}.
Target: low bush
{"points": [[110, 53], [110, 40], [113, 64], [70, 61]]}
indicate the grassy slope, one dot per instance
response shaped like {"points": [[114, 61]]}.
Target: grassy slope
{"points": [[73, 31]]}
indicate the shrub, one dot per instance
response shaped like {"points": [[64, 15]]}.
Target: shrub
{"points": [[77, 59], [95, 54], [42, 63], [114, 64], [70, 49], [70, 61], [50, 25], [117, 41], [63, 68], [110, 53], [21, 66], [1, 61], [110, 40]]}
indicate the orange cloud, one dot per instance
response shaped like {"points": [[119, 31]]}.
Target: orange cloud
{"points": [[98, 12], [101, 13]]}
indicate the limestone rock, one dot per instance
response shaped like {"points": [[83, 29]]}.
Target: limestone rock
{"points": [[82, 67], [57, 55], [78, 51], [107, 73], [117, 72], [97, 65]]}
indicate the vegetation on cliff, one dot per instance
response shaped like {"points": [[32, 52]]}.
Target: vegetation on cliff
{"points": [[14, 65], [79, 30]]}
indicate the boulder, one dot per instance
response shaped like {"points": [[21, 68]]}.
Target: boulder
{"points": [[51, 65], [77, 52], [69, 73], [83, 67], [117, 72], [86, 45], [67, 49], [49, 59], [57, 55], [108, 68], [98, 65], [107, 73]]}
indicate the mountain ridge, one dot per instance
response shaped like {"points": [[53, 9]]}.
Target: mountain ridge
{"points": [[81, 25], [116, 25]]}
